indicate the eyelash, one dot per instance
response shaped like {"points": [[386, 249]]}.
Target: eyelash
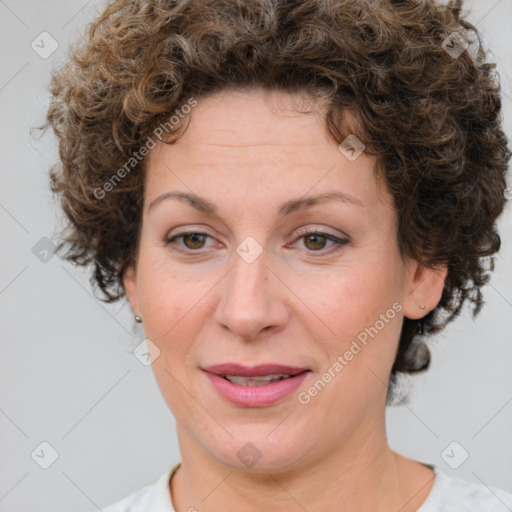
{"points": [[338, 241]]}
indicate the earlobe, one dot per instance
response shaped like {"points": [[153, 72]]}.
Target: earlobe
{"points": [[425, 288], [130, 287]]}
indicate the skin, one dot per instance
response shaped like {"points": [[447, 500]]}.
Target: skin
{"points": [[301, 303]]}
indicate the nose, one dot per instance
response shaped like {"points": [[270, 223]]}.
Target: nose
{"points": [[253, 299]]}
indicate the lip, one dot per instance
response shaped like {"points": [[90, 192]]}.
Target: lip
{"points": [[255, 396], [253, 371]]}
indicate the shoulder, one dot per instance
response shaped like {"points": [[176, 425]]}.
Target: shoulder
{"points": [[135, 502], [154, 497], [451, 494]]}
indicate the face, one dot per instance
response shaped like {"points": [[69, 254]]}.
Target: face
{"points": [[259, 273]]}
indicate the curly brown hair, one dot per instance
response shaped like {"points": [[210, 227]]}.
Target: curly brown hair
{"points": [[432, 120]]}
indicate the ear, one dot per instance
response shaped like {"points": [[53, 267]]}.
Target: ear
{"points": [[130, 287], [424, 288]]}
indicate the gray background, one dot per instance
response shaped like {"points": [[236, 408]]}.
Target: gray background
{"points": [[67, 374]]}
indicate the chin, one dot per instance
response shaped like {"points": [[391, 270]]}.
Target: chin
{"points": [[252, 448]]}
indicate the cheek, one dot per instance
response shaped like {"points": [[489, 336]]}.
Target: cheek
{"points": [[161, 285], [164, 298], [362, 309], [352, 299], [171, 305]]}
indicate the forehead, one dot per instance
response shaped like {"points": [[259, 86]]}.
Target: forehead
{"points": [[256, 117], [239, 140]]}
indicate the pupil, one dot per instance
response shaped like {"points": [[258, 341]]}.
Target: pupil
{"points": [[317, 237], [196, 238]]}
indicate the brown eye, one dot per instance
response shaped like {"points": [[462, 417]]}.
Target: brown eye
{"points": [[317, 241], [194, 240], [191, 241]]}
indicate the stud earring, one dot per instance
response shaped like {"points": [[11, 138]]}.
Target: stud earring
{"points": [[138, 319], [422, 306]]}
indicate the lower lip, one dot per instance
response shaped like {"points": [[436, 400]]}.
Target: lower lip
{"points": [[257, 396]]}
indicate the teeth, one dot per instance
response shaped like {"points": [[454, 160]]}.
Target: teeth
{"points": [[256, 381]]}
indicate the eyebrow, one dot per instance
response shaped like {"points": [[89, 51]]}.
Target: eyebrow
{"points": [[205, 206]]}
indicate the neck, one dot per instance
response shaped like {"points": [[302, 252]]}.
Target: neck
{"points": [[359, 473]]}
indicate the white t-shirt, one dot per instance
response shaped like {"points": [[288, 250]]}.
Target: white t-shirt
{"points": [[448, 494]]}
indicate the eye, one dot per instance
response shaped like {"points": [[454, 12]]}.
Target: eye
{"points": [[191, 239], [315, 241]]}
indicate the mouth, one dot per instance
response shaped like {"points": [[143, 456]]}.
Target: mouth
{"points": [[255, 386], [262, 380]]}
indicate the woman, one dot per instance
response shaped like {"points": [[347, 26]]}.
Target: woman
{"points": [[287, 193]]}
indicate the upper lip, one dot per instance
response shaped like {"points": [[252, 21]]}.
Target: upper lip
{"points": [[253, 371]]}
